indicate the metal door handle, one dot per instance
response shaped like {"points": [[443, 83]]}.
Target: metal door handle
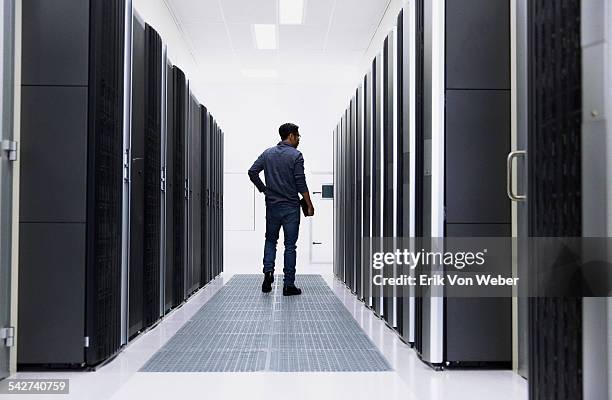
{"points": [[509, 183]]}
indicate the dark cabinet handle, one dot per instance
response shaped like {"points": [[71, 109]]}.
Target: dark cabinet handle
{"points": [[317, 243]]}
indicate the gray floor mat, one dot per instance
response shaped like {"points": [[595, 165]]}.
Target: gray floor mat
{"points": [[242, 329]]}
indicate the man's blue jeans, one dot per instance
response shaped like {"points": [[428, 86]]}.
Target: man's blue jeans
{"points": [[289, 218]]}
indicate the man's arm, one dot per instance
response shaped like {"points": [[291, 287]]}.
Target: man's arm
{"points": [[300, 182], [306, 197], [254, 171]]}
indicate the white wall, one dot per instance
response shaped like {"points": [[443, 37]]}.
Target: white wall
{"points": [[250, 115], [157, 14]]}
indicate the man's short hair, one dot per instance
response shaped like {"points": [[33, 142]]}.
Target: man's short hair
{"points": [[286, 129]]}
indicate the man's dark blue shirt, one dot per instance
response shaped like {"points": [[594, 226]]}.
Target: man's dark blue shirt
{"points": [[283, 167]]}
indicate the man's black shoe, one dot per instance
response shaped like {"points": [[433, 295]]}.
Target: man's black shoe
{"points": [[291, 291], [266, 286]]}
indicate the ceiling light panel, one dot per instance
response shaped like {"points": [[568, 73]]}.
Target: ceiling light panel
{"points": [[291, 12], [266, 37]]}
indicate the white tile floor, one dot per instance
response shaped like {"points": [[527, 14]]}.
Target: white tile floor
{"points": [[411, 379]]}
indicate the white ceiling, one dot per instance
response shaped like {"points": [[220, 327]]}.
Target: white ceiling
{"points": [[328, 47]]}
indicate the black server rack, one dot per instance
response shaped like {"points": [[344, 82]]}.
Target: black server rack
{"points": [[350, 204], [359, 192], [344, 194], [195, 196], [555, 91], [72, 133], [477, 142], [377, 170], [220, 195], [388, 167], [217, 200], [145, 187], [187, 165], [353, 193], [213, 198], [476, 139], [367, 187], [336, 203], [221, 188], [209, 195], [402, 156], [170, 189], [152, 170], [177, 133], [213, 193], [204, 202], [420, 195], [341, 201], [137, 180]]}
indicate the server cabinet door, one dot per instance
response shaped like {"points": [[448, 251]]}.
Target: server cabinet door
{"points": [[163, 179], [152, 166], [555, 200], [179, 190], [402, 154], [221, 180], [106, 268], [170, 191], [377, 168], [350, 204], [367, 188], [196, 200], [359, 192], [137, 155], [203, 182], [388, 295]]}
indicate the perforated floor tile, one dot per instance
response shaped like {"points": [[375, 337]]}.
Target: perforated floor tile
{"points": [[242, 329]]}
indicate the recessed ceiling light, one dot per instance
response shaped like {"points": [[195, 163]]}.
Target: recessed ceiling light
{"points": [[291, 12], [265, 36], [260, 73]]}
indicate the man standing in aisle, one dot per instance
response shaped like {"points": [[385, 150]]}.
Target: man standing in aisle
{"points": [[283, 167]]}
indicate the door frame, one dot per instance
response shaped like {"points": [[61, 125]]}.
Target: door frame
{"points": [[9, 182], [325, 181]]}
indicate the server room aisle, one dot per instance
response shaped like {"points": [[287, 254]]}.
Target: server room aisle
{"points": [[408, 377]]}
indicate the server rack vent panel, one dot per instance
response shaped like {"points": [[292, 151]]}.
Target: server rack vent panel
{"points": [[170, 189], [105, 159], [152, 165], [555, 119], [204, 274], [419, 153], [179, 190], [137, 178]]}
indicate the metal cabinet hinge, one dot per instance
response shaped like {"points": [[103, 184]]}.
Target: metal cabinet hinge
{"points": [[126, 165], [86, 341], [8, 334], [10, 146], [163, 179]]}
